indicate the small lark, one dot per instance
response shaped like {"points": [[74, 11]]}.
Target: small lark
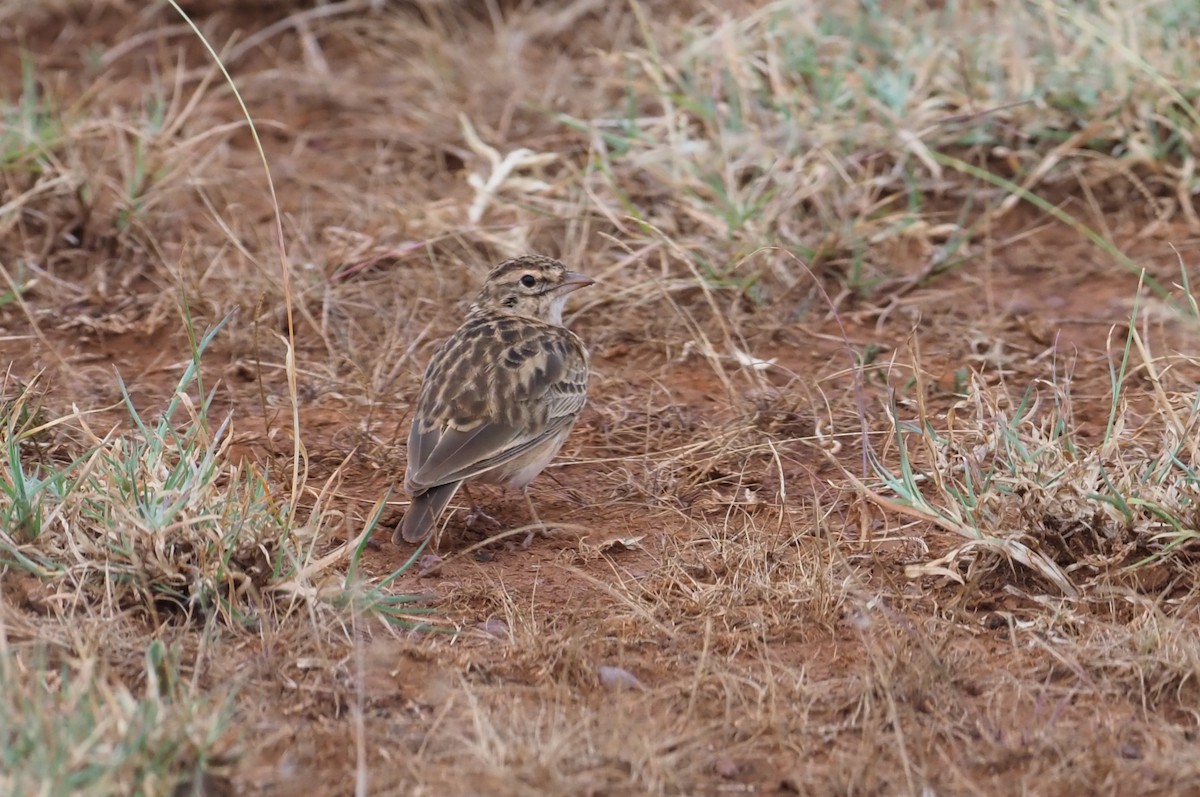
{"points": [[501, 395]]}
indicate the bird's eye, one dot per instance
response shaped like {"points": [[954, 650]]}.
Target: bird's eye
{"points": [[529, 280]]}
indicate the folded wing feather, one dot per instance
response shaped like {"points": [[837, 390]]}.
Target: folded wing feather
{"points": [[445, 454]]}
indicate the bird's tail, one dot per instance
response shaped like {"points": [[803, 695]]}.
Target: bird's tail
{"points": [[423, 513]]}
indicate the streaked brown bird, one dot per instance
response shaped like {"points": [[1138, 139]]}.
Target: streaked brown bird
{"points": [[500, 395]]}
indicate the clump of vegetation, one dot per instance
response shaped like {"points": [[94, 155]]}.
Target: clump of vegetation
{"points": [[1013, 476]]}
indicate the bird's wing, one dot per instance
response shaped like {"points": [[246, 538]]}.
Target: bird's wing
{"points": [[525, 396], [460, 455]]}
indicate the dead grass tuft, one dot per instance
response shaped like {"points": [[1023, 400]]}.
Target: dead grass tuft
{"points": [[76, 721], [1015, 477]]}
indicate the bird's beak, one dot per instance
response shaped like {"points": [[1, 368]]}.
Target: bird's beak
{"points": [[574, 281]]}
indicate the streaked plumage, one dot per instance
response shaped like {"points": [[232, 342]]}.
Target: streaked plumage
{"points": [[500, 395]]}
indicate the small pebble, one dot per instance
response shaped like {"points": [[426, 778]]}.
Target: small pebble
{"points": [[618, 678]]}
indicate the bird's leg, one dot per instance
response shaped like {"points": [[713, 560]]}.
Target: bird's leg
{"points": [[476, 514], [537, 521]]}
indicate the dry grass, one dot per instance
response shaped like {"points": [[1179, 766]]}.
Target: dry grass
{"points": [[1013, 476], [888, 484]]}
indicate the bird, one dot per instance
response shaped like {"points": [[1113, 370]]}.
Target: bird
{"points": [[500, 395]]}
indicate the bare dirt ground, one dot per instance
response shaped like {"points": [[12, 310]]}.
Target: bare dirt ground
{"points": [[719, 609]]}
